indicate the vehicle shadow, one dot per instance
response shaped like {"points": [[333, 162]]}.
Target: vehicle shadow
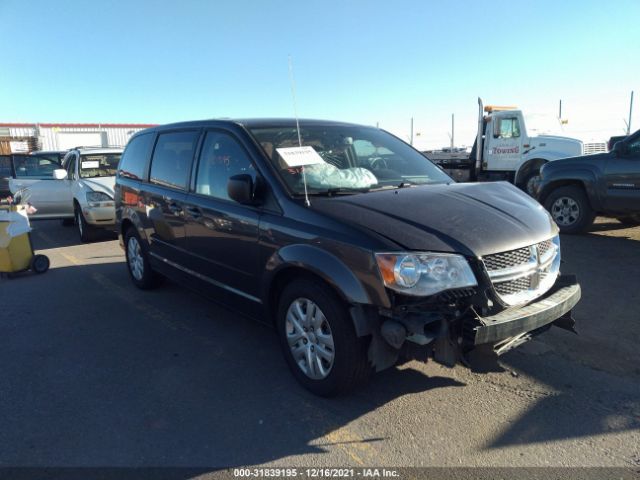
{"points": [[52, 234], [122, 377], [605, 224], [593, 377]]}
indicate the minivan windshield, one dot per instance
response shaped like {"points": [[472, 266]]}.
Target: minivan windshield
{"points": [[352, 159], [99, 165]]}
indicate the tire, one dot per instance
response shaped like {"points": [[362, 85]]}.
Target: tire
{"points": [[630, 220], [530, 184], [39, 263], [86, 231], [138, 266], [349, 367], [570, 209], [68, 222]]}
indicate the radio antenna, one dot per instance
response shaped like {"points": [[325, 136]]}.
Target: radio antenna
{"points": [[295, 113]]}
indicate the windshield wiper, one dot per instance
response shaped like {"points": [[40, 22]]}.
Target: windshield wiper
{"points": [[341, 191]]}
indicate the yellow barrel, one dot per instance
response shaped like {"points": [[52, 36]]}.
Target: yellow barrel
{"points": [[15, 253]]}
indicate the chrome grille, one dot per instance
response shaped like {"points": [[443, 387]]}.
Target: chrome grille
{"points": [[520, 275], [543, 247], [509, 259], [513, 286]]}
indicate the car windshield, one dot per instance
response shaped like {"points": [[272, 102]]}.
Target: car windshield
{"points": [[349, 159], [99, 165]]}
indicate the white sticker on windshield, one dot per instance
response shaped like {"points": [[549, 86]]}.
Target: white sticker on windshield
{"points": [[300, 156], [90, 164]]}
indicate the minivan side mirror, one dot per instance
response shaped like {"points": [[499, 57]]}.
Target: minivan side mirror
{"points": [[240, 189], [59, 174], [621, 148]]}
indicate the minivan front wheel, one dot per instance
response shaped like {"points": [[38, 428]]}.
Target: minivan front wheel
{"points": [[138, 262], [318, 339]]}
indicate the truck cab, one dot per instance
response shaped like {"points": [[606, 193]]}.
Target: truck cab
{"points": [[508, 152]]}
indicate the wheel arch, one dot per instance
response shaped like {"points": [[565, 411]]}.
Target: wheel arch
{"points": [[131, 219], [527, 168], [296, 261], [585, 179]]}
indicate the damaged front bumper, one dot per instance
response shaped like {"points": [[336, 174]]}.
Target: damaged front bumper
{"points": [[450, 338], [555, 306]]}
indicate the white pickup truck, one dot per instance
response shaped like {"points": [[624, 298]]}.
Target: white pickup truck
{"points": [[504, 150]]}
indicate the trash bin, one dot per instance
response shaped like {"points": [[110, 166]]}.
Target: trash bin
{"points": [[16, 251]]}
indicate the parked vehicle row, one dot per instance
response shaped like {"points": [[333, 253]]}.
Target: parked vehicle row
{"points": [[77, 188], [359, 251]]}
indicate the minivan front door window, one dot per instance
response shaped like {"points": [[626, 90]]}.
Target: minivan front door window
{"points": [[222, 157]]}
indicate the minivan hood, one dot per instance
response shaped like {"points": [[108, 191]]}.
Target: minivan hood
{"points": [[100, 184], [474, 219]]}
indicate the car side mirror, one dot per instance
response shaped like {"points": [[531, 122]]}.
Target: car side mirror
{"points": [[59, 174], [240, 189], [621, 148]]}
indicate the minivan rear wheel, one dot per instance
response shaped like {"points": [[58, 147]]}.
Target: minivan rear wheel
{"points": [[138, 264], [318, 339]]}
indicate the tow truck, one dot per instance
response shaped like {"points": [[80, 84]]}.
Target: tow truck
{"points": [[505, 150]]}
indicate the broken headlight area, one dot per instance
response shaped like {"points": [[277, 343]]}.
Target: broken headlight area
{"points": [[450, 332]]}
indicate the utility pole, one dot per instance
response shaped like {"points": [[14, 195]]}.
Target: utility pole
{"points": [[630, 111], [411, 131], [560, 111], [452, 132]]}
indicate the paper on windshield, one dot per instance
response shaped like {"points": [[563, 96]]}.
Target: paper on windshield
{"points": [[90, 164], [300, 156]]}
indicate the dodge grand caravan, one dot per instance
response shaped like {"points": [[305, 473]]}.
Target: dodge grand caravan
{"points": [[359, 250]]}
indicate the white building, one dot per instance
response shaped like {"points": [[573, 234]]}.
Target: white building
{"points": [[27, 137]]}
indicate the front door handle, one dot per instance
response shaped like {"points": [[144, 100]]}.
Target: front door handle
{"points": [[194, 212], [175, 208]]}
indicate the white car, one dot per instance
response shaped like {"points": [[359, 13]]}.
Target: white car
{"points": [[81, 192]]}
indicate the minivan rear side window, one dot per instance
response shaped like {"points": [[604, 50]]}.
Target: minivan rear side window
{"points": [[171, 162], [134, 159]]}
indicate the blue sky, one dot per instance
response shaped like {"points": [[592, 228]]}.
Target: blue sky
{"points": [[362, 61]]}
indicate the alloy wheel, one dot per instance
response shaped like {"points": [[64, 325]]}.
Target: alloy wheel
{"points": [[310, 338], [565, 211], [134, 256]]}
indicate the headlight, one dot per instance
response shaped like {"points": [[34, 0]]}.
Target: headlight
{"points": [[424, 273], [98, 197]]}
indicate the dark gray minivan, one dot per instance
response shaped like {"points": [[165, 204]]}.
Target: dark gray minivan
{"points": [[359, 250]]}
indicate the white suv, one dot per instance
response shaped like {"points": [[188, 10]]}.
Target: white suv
{"points": [[82, 190]]}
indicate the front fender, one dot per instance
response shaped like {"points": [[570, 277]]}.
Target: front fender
{"points": [[321, 263], [570, 175]]}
